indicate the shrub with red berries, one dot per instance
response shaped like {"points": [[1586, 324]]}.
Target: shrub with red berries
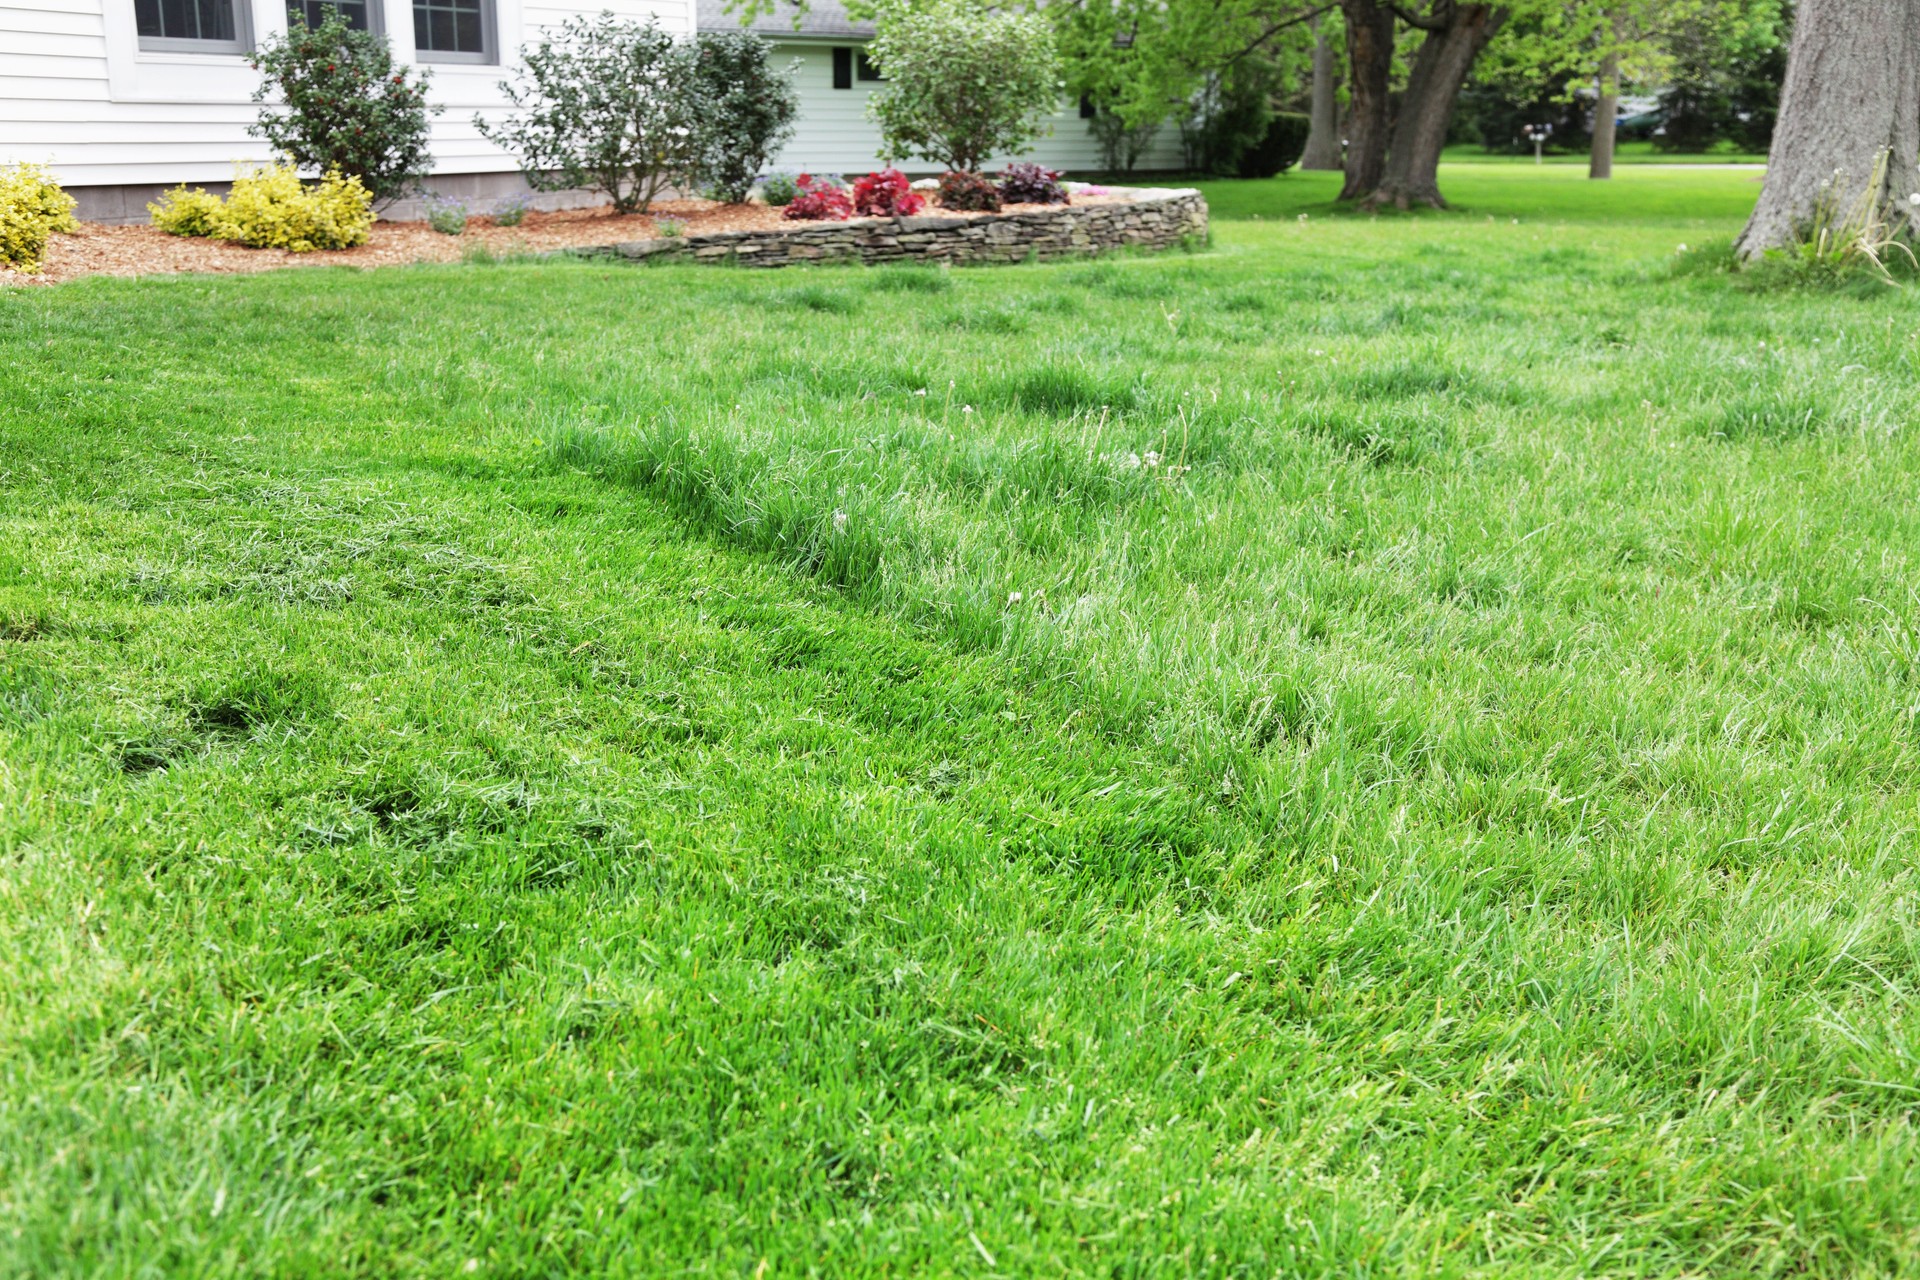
{"points": [[339, 103]]}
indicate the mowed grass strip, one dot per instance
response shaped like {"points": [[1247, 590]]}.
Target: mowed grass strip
{"points": [[1385, 748]]}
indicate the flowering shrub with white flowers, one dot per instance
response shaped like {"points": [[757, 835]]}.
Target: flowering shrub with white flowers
{"points": [[605, 104]]}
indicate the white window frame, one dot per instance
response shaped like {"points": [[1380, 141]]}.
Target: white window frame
{"points": [[489, 55], [187, 71], [241, 44]]}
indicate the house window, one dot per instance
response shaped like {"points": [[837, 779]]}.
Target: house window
{"points": [[864, 68], [361, 15], [453, 30], [191, 26], [843, 68]]}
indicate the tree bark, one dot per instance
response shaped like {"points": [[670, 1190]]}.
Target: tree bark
{"points": [[1323, 135], [1370, 53], [1606, 113], [1852, 92], [1412, 171]]}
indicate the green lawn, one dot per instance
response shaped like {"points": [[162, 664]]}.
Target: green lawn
{"points": [[1630, 151], [1386, 748]]}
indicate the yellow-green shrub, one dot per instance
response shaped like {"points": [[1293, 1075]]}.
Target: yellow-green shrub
{"points": [[271, 208], [32, 208], [186, 213]]}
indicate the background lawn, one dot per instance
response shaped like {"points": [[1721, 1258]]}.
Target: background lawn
{"points": [[1386, 748]]}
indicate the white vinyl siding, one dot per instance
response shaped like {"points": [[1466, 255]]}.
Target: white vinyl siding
{"points": [[834, 135], [76, 94]]}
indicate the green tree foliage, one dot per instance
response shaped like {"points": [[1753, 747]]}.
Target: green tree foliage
{"points": [[608, 105], [963, 83], [340, 104], [1570, 42], [1725, 83], [747, 108], [1145, 62]]}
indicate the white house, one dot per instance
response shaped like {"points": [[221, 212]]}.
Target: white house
{"points": [[124, 98], [834, 77]]}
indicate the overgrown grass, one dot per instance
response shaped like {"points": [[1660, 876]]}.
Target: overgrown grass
{"points": [[1387, 748]]}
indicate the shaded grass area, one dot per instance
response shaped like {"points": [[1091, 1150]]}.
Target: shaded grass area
{"points": [[1713, 201], [1387, 749]]}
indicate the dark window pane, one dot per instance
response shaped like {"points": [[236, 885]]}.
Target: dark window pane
{"points": [[450, 26], [358, 13], [216, 19], [185, 19]]}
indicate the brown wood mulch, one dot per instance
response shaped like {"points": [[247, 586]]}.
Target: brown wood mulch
{"points": [[97, 249]]}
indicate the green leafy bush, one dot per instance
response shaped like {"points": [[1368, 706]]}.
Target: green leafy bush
{"points": [[607, 104], [962, 83], [32, 208], [1281, 149], [271, 208], [746, 110], [779, 188], [446, 215], [1229, 118], [512, 210], [339, 103], [183, 212]]}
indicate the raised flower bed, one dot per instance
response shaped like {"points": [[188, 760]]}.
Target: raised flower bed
{"points": [[1137, 217]]}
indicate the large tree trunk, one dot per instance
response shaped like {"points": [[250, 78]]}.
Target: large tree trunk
{"points": [[1440, 69], [1370, 52], [1606, 113], [1852, 92], [1323, 134]]}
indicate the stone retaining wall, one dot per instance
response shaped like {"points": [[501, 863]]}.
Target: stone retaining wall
{"points": [[1151, 218]]}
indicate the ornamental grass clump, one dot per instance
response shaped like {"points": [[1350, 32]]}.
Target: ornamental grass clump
{"points": [[32, 209], [270, 208]]}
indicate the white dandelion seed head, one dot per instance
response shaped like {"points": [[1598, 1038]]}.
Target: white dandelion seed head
{"points": [[966, 408], [839, 522], [1014, 597], [1151, 458]]}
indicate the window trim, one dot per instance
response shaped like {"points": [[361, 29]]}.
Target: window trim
{"points": [[241, 43], [489, 55]]}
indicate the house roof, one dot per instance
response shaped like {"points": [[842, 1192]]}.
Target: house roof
{"points": [[820, 20]]}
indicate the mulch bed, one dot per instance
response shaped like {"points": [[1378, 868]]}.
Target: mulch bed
{"points": [[139, 251]]}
